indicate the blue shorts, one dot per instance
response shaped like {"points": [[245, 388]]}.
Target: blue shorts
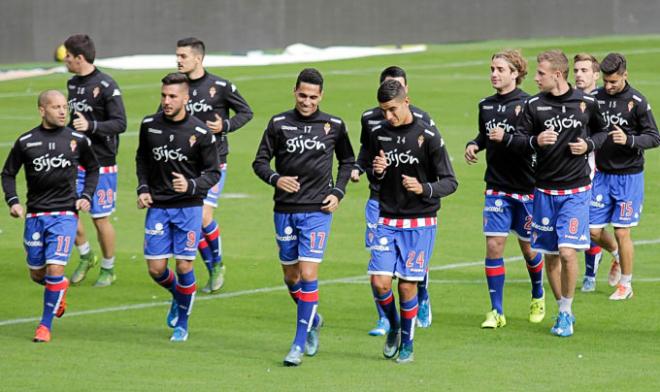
{"points": [[302, 236], [560, 222], [103, 200], [48, 239], [503, 214], [172, 232], [214, 193], [404, 253], [371, 213], [616, 199]]}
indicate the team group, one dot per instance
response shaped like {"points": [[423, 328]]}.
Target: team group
{"points": [[561, 166]]}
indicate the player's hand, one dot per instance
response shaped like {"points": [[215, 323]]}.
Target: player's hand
{"points": [[16, 211], [547, 137], [380, 163], [355, 175], [83, 204], [471, 154], [618, 136], [496, 135], [288, 184], [80, 123], [144, 200], [579, 147], [179, 182], [217, 125], [412, 185], [330, 203]]}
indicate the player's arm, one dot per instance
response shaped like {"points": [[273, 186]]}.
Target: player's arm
{"points": [[445, 183], [142, 159], [210, 174], [10, 170], [478, 143], [265, 153], [522, 140], [242, 111], [115, 112], [648, 133], [346, 162], [90, 163], [376, 154], [362, 163], [598, 130]]}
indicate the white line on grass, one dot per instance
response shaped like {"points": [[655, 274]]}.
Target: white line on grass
{"points": [[359, 279]]}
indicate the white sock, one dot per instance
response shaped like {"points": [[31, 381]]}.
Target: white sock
{"points": [[84, 249], [615, 254], [565, 305], [626, 280], [108, 263]]}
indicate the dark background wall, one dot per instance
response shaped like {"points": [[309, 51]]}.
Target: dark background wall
{"points": [[31, 29]]}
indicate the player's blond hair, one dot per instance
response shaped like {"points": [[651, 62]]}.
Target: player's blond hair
{"points": [[557, 60], [516, 62], [595, 65]]}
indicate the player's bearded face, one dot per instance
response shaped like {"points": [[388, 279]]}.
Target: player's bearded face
{"points": [[397, 111], [72, 64], [54, 112], [173, 98], [615, 83], [308, 96], [501, 76]]}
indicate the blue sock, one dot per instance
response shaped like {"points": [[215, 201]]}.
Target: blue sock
{"points": [[408, 316], [185, 296], [535, 269], [295, 291], [388, 305], [381, 313], [495, 277], [206, 253], [212, 234], [53, 293], [167, 280], [423, 288], [592, 258], [307, 304]]}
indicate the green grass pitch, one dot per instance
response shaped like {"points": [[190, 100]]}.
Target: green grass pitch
{"points": [[115, 338]]}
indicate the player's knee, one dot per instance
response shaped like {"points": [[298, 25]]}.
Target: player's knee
{"points": [[622, 233], [37, 276], [381, 284], [407, 290], [528, 253], [291, 276], [183, 266], [155, 270], [495, 246], [207, 216]]}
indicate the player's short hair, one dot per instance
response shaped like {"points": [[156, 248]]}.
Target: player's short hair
{"points": [[557, 60], [45, 95], [81, 44], [595, 66], [389, 90], [393, 72], [311, 76], [613, 63], [195, 44], [516, 62], [176, 78]]}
